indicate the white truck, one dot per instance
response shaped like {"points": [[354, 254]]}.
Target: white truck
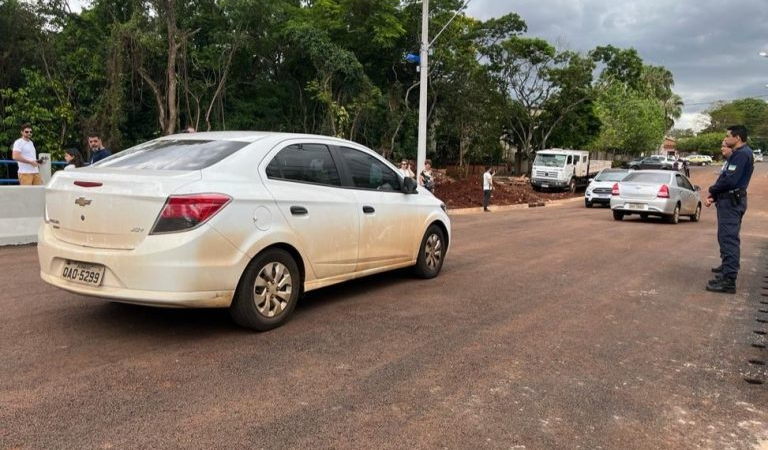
{"points": [[564, 169]]}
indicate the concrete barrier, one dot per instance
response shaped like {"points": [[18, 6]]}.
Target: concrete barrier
{"points": [[22, 213]]}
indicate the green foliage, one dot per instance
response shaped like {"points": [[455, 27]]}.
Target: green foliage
{"points": [[38, 103], [750, 112], [704, 143], [631, 122], [331, 67]]}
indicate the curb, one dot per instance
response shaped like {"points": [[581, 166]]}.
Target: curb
{"points": [[501, 208]]}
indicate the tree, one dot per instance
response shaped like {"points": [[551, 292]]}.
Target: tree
{"points": [[631, 122]]}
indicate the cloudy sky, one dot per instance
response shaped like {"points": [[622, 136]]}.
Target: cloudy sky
{"points": [[711, 46]]}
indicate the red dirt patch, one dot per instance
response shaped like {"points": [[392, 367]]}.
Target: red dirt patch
{"points": [[468, 192]]}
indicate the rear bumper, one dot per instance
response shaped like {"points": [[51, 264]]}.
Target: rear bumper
{"points": [[196, 269], [637, 206]]}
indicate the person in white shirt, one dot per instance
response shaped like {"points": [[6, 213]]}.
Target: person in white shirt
{"points": [[25, 154], [405, 169], [487, 187]]}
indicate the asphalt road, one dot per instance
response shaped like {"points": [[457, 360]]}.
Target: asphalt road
{"points": [[549, 328]]}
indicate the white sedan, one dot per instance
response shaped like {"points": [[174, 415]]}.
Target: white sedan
{"points": [[244, 220], [662, 193]]}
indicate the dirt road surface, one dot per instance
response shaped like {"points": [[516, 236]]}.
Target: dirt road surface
{"points": [[549, 328]]}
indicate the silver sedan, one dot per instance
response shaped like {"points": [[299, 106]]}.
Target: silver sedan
{"points": [[656, 193]]}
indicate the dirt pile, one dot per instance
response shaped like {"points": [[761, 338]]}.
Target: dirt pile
{"points": [[468, 192]]}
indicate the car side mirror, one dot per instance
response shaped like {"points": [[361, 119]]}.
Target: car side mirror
{"points": [[591, 179], [409, 185], [696, 187]]}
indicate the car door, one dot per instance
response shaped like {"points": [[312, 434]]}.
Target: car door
{"points": [[688, 199], [388, 217], [306, 185]]}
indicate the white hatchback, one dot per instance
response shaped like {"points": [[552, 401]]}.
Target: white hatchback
{"points": [[244, 220]]}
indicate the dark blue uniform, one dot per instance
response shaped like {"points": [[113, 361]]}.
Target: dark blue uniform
{"points": [[730, 193]]}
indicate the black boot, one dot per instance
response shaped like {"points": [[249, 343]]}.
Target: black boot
{"points": [[718, 269], [725, 284]]}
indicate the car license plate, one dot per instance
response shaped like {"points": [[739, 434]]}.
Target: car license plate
{"points": [[637, 206], [83, 273], [545, 185]]}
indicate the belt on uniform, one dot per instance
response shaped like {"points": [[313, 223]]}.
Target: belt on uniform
{"points": [[740, 192]]}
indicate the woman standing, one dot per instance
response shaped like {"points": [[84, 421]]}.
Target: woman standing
{"points": [[73, 158]]}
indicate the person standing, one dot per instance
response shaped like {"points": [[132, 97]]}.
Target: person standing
{"points": [[487, 187], [729, 193], [25, 154], [425, 177], [405, 169], [98, 152], [73, 158]]}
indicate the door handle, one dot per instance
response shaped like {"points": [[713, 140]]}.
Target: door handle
{"points": [[368, 210], [299, 211]]}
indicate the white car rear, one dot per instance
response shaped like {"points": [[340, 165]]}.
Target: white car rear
{"points": [[238, 219]]}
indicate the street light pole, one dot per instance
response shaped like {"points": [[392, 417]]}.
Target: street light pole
{"points": [[421, 148]]}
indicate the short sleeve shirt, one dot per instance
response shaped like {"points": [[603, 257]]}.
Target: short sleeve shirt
{"points": [[487, 181], [27, 150]]}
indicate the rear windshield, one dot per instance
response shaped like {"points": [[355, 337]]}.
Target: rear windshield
{"points": [[172, 155], [640, 177], [611, 175]]}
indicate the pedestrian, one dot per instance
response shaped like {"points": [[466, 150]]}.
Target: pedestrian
{"points": [[686, 169], [189, 129], [405, 169], [25, 154], [729, 193], [73, 158], [487, 187], [676, 165], [98, 152], [425, 178]]}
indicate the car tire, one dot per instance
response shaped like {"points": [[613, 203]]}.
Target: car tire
{"points": [[431, 253], [674, 218], [268, 291], [634, 167], [618, 215], [697, 214], [587, 203], [643, 217], [572, 185]]}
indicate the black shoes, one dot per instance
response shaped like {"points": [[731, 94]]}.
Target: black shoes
{"points": [[718, 269], [722, 284]]}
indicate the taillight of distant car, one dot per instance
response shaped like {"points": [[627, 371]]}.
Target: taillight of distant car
{"points": [[663, 192], [184, 212], [615, 189]]}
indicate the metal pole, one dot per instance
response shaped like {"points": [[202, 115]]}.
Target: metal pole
{"points": [[421, 149]]}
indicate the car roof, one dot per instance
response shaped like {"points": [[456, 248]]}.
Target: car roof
{"points": [[248, 136]]}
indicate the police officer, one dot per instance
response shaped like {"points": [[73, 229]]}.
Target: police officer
{"points": [[730, 195]]}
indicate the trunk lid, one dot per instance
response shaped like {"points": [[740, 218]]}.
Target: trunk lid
{"points": [[639, 191], [109, 208]]}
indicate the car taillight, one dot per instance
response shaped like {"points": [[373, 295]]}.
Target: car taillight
{"points": [[615, 189], [184, 212], [663, 192]]}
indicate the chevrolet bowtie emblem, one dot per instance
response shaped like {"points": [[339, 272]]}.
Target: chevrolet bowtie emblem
{"points": [[82, 201]]}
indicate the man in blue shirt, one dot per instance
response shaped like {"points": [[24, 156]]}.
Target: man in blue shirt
{"points": [[730, 195], [98, 152]]}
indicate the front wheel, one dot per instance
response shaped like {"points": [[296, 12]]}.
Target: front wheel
{"points": [[431, 253], [268, 291], [587, 203], [697, 214], [572, 186]]}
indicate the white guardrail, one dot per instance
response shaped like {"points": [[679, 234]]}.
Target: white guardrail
{"points": [[23, 208]]}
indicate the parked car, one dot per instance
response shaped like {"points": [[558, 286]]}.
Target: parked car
{"points": [[599, 188], [699, 160], [658, 162], [244, 220], [656, 193], [758, 153]]}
